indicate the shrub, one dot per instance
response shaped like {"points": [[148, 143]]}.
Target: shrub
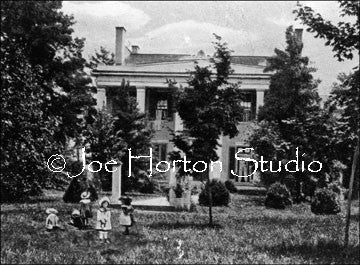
{"points": [[309, 186], [178, 191], [220, 194], [335, 187], [278, 196], [78, 186], [194, 191], [130, 183], [146, 186], [73, 192], [230, 186], [267, 178], [291, 184], [325, 202]]}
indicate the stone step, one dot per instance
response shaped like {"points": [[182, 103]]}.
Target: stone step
{"points": [[251, 190], [144, 207]]}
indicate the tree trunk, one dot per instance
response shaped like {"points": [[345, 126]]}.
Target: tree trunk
{"points": [[210, 206], [210, 201], [348, 214]]}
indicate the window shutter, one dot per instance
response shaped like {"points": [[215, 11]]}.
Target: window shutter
{"points": [[152, 105], [231, 161], [170, 107]]}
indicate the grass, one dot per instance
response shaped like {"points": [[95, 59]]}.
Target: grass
{"points": [[245, 232]]}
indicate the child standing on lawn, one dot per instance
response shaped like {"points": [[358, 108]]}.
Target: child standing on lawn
{"points": [[103, 223], [85, 207], [127, 214]]}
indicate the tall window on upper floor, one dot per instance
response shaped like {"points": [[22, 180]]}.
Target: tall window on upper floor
{"points": [[160, 105], [249, 105], [162, 110]]}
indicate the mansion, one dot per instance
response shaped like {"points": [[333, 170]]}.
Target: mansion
{"points": [[149, 75]]}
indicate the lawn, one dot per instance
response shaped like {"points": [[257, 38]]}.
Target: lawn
{"points": [[245, 232]]}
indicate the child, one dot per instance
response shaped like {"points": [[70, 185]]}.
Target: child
{"points": [[103, 223], [76, 219], [52, 221], [126, 216], [85, 207]]}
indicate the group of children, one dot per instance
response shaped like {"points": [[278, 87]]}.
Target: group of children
{"points": [[80, 218]]}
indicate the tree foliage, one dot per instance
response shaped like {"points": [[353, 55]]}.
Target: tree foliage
{"points": [[131, 126], [343, 37], [292, 81], [344, 100], [209, 107], [26, 132], [115, 131], [103, 56], [295, 121], [44, 88]]}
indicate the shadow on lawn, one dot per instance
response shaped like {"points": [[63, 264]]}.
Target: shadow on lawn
{"points": [[323, 251], [178, 225]]}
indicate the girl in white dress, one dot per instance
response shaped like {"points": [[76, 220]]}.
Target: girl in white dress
{"points": [[103, 222]]}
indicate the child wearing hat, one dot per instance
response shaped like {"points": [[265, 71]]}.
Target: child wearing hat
{"points": [[126, 215], [103, 223], [52, 221], [76, 219], [85, 207]]}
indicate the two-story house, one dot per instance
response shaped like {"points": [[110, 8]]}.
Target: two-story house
{"points": [[148, 75]]}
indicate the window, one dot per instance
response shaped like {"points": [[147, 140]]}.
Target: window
{"points": [[160, 151], [247, 115], [160, 105], [162, 110], [249, 105]]}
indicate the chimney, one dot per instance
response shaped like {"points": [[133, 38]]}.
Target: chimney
{"points": [[135, 49], [120, 45], [298, 35]]}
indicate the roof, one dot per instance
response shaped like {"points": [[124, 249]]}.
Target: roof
{"points": [[142, 58]]}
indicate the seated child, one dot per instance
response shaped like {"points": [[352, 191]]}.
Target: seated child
{"points": [[76, 219], [52, 221], [127, 214], [103, 223], [85, 207]]}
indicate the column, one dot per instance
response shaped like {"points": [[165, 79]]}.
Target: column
{"points": [[172, 178], [116, 184], [259, 100], [215, 170], [140, 98]]}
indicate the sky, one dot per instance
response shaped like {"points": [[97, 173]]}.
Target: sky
{"points": [[250, 28]]}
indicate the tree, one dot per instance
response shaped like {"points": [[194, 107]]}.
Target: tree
{"points": [[292, 81], [343, 108], [26, 132], [114, 133], [282, 126], [131, 126], [101, 136], [209, 106], [46, 91], [344, 38], [101, 57]]}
